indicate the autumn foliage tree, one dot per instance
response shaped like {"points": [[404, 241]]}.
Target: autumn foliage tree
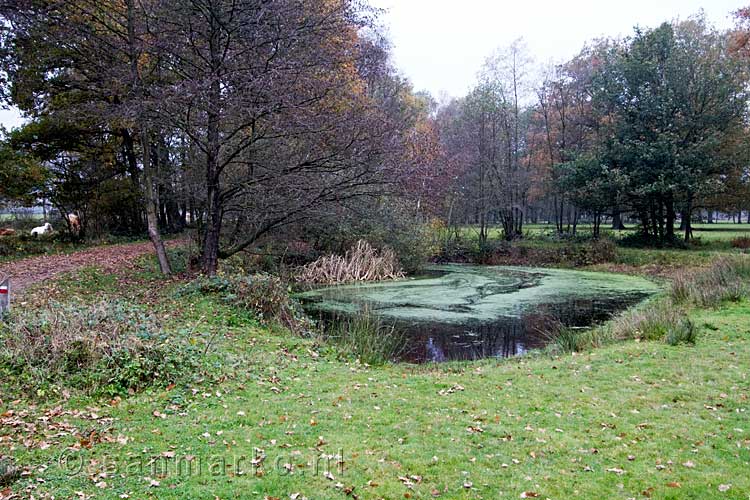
{"points": [[244, 117]]}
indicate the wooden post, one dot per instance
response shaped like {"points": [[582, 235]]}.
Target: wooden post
{"points": [[5, 296]]}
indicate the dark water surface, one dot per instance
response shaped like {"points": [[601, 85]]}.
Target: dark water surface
{"points": [[473, 312], [505, 337]]}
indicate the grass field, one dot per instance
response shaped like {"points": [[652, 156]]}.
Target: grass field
{"points": [[719, 231], [276, 413], [9, 217]]}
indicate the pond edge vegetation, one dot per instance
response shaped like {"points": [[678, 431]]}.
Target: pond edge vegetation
{"points": [[52, 347], [666, 316]]}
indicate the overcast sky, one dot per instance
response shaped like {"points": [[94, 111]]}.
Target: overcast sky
{"points": [[441, 44]]}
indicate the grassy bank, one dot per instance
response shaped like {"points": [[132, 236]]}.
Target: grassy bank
{"points": [[273, 415]]}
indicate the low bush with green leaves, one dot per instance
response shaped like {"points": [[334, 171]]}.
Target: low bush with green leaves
{"points": [[100, 348], [684, 332], [24, 245], [265, 295]]}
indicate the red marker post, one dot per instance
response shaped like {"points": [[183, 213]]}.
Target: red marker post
{"points": [[5, 296]]}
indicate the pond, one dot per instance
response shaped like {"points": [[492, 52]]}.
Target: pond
{"points": [[462, 312]]}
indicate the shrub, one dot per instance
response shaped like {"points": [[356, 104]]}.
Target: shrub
{"points": [[742, 242], [639, 240], [107, 347], [265, 296], [391, 222], [725, 280], [413, 247], [23, 244], [361, 263], [602, 250], [496, 252], [368, 338]]}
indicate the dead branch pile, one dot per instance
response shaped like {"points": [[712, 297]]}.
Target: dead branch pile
{"points": [[361, 263]]}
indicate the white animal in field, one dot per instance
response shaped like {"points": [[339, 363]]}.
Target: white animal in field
{"points": [[45, 229]]}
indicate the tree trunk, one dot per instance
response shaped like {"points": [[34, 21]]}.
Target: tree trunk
{"points": [[617, 224], [152, 219], [132, 163], [645, 222], [213, 186], [148, 172], [671, 216], [599, 218], [687, 217]]}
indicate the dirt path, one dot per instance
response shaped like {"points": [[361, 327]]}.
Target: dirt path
{"points": [[26, 272]]}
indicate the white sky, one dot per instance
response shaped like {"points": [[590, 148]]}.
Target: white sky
{"points": [[441, 44]]}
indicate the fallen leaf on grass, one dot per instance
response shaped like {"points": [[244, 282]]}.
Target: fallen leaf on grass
{"points": [[616, 470], [453, 388]]}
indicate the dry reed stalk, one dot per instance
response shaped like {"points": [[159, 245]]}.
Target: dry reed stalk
{"points": [[360, 263]]}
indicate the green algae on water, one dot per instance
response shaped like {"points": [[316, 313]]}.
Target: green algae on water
{"points": [[457, 294]]}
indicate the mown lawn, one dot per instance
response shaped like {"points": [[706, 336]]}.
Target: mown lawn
{"points": [[633, 420]]}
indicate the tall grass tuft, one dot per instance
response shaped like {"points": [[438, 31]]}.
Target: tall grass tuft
{"points": [[368, 338], [566, 339], [728, 279], [684, 332]]}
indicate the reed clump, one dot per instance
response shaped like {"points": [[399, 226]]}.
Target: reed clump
{"points": [[362, 262], [366, 337]]}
